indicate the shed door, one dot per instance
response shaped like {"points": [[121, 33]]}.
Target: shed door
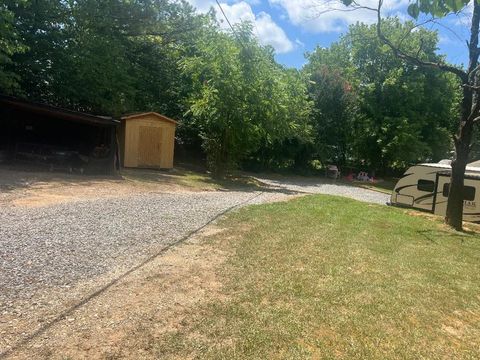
{"points": [[149, 146]]}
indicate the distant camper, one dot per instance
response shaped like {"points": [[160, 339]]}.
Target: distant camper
{"points": [[426, 187]]}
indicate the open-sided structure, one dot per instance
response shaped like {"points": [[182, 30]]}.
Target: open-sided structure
{"points": [[41, 135]]}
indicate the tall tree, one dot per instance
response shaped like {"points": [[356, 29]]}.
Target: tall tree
{"points": [[241, 97], [384, 113], [334, 103], [469, 112], [106, 57], [10, 44]]}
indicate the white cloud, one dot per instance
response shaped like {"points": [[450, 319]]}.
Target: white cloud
{"points": [[272, 34], [268, 32], [202, 5], [236, 13], [331, 15], [446, 40], [464, 16]]}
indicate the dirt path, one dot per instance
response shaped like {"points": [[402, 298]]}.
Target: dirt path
{"points": [[125, 320]]}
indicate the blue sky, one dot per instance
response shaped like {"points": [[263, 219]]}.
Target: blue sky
{"points": [[294, 27]]}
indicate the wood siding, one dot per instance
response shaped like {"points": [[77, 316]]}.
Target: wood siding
{"points": [[149, 142]]}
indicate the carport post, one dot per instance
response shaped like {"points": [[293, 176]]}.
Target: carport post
{"points": [[113, 151]]}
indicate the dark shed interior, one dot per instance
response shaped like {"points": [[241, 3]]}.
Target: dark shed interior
{"points": [[45, 136]]}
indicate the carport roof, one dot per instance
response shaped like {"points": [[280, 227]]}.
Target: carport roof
{"points": [[57, 112]]}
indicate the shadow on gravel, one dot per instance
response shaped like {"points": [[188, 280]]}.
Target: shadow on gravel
{"points": [[15, 177]]}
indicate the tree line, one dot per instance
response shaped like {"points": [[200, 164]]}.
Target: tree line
{"points": [[354, 104]]}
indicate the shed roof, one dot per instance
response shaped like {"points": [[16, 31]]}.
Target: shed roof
{"points": [[143, 114], [55, 111]]}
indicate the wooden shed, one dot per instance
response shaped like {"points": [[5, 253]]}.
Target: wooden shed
{"points": [[147, 141]]}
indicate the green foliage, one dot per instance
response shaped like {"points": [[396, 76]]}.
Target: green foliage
{"points": [[393, 113], [241, 98], [354, 102], [10, 44], [437, 8], [334, 112], [108, 57]]}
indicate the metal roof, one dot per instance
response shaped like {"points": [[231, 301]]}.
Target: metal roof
{"points": [[57, 112]]}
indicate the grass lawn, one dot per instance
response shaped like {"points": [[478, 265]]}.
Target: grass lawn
{"points": [[327, 277]]}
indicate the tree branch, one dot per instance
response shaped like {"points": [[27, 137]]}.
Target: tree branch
{"points": [[473, 43], [414, 59]]}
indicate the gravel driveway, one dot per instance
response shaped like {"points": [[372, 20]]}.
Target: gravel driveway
{"points": [[48, 253], [60, 244], [307, 185]]}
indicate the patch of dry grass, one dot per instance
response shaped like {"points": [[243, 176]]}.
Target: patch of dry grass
{"points": [[313, 278], [326, 277]]}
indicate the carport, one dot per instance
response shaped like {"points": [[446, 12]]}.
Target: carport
{"points": [[45, 136]]}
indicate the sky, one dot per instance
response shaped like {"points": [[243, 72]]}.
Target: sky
{"points": [[294, 27]]}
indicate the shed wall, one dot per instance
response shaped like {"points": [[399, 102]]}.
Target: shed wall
{"points": [[141, 147]]}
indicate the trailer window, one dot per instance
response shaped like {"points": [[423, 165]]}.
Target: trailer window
{"points": [[468, 192], [425, 185]]}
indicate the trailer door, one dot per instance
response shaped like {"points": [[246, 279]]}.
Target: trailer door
{"points": [[441, 197]]}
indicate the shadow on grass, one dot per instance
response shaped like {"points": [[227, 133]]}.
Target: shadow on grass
{"points": [[433, 236]]}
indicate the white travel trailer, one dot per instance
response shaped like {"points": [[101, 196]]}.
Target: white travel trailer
{"points": [[426, 186]]}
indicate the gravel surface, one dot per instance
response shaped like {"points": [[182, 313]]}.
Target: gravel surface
{"points": [[53, 256], [60, 244], [329, 188]]}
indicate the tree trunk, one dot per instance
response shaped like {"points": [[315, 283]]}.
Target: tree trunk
{"points": [[469, 111], [454, 215]]}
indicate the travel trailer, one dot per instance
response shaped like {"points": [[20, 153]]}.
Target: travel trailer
{"points": [[426, 186]]}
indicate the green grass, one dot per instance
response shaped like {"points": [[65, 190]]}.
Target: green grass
{"points": [[327, 277]]}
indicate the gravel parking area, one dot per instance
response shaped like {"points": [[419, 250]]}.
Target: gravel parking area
{"points": [[59, 244], [306, 185], [52, 256]]}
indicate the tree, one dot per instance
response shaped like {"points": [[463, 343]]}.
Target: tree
{"points": [[335, 111], [372, 108], [469, 112], [41, 26], [106, 57], [10, 44], [241, 98]]}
